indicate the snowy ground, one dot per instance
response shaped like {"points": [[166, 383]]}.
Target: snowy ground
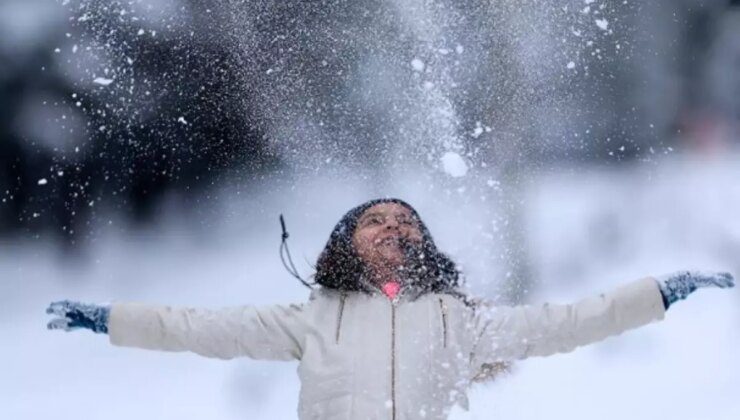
{"points": [[589, 229]]}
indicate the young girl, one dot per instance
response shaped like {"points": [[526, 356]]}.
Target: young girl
{"points": [[387, 334]]}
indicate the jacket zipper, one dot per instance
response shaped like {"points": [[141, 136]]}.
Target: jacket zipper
{"points": [[393, 361], [443, 310], [339, 316]]}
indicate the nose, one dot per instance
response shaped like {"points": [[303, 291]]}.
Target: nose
{"points": [[391, 223]]}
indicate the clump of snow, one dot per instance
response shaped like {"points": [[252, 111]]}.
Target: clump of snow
{"points": [[602, 24], [42, 181], [571, 65], [417, 64], [480, 129], [182, 120], [102, 81], [454, 165]]}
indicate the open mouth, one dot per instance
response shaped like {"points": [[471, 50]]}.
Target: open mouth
{"points": [[391, 240]]}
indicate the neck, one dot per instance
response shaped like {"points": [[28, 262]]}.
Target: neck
{"points": [[384, 275]]}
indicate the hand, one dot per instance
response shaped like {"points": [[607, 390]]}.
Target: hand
{"points": [[679, 285], [75, 315]]}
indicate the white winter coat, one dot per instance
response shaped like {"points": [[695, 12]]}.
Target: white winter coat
{"points": [[362, 356]]}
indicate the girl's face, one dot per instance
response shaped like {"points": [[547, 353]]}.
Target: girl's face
{"points": [[380, 233]]}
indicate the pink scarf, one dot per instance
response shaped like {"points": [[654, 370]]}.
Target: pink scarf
{"points": [[391, 289]]}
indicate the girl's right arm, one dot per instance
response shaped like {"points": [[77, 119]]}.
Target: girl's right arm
{"points": [[271, 332]]}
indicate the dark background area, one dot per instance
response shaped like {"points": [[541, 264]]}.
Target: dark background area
{"points": [[186, 107]]}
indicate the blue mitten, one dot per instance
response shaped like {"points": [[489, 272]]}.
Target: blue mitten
{"points": [[678, 285], [74, 315]]}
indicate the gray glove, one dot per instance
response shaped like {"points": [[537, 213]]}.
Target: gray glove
{"points": [[75, 315], [678, 285]]}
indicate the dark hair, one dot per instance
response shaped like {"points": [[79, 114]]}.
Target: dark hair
{"points": [[339, 267]]}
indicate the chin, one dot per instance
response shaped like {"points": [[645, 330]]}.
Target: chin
{"points": [[394, 263]]}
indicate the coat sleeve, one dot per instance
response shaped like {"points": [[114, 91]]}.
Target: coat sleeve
{"points": [[268, 333], [511, 333]]}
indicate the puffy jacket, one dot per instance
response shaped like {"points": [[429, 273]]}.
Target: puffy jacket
{"points": [[362, 356]]}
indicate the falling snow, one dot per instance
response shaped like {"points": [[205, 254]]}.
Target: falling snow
{"points": [[454, 165], [102, 81]]}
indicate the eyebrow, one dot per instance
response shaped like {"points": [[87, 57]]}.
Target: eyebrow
{"points": [[375, 213], [367, 215]]}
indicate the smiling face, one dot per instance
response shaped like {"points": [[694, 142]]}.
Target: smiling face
{"points": [[380, 235]]}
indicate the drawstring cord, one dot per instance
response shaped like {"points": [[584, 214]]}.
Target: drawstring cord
{"points": [[289, 266]]}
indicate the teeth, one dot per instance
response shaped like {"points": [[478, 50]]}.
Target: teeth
{"points": [[388, 241]]}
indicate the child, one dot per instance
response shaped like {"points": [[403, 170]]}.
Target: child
{"points": [[387, 334]]}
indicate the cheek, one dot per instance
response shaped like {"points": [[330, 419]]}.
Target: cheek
{"points": [[414, 234], [362, 242]]}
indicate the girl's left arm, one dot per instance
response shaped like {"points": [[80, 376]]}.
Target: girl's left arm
{"points": [[510, 333]]}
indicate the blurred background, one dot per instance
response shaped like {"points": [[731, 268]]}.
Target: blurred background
{"points": [[556, 149]]}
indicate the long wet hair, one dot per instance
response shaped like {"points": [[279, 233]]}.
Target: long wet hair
{"points": [[340, 267]]}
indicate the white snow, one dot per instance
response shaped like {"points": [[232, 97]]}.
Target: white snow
{"points": [[102, 81], [454, 165], [42, 181], [417, 65], [182, 120], [602, 24], [571, 65]]}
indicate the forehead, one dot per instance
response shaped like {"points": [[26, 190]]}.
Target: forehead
{"points": [[388, 209]]}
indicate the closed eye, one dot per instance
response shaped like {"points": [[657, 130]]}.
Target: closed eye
{"points": [[373, 221]]}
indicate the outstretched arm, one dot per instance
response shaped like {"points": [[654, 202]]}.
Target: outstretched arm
{"points": [[510, 333], [271, 332]]}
